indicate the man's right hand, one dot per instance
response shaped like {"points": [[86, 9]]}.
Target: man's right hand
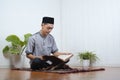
{"points": [[30, 56]]}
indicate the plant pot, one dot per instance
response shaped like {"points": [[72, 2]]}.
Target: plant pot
{"points": [[17, 61], [85, 64]]}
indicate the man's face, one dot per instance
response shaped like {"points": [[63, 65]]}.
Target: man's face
{"points": [[46, 29]]}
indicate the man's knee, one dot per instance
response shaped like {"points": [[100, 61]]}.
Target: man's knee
{"points": [[36, 60], [36, 64]]}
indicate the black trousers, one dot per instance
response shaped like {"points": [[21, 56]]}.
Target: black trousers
{"points": [[37, 64]]}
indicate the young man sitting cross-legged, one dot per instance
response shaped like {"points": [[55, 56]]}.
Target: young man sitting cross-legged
{"points": [[41, 45]]}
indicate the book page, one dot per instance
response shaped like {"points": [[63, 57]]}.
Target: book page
{"points": [[65, 57]]}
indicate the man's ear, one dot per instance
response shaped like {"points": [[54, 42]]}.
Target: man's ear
{"points": [[42, 24]]}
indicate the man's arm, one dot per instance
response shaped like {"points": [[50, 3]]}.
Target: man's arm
{"points": [[30, 56], [61, 53]]}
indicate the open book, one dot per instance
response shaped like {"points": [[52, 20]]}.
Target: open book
{"points": [[57, 60], [65, 57]]}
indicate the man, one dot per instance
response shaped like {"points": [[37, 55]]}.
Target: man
{"points": [[42, 44]]}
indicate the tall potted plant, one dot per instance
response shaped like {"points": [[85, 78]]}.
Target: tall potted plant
{"points": [[16, 48], [87, 59]]}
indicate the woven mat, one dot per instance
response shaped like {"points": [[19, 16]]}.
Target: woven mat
{"points": [[63, 71]]}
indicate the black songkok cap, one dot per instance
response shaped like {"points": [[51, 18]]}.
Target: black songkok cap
{"points": [[49, 20]]}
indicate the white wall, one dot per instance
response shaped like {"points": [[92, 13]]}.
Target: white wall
{"points": [[79, 25], [92, 25], [24, 16]]}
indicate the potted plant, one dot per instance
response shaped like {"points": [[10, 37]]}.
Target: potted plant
{"points": [[15, 48], [87, 59]]}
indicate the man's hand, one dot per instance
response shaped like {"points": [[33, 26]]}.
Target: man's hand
{"points": [[67, 53], [30, 56], [62, 53], [41, 57]]}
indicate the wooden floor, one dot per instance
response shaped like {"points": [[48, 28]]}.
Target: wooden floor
{"points": [[108, 74]]}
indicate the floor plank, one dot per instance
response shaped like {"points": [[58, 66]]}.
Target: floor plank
{"points": [[110, 73]]}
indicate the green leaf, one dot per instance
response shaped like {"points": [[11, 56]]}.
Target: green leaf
{"points": [[26, 37], [17, 46], [15, 49], [5, 49], [13, 39], [88, 56]]}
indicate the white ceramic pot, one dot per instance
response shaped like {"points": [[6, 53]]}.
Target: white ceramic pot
{"points": [[17, 61], [85, 64]]}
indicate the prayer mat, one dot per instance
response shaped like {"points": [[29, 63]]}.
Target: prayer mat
{"points": [[62, 71]]}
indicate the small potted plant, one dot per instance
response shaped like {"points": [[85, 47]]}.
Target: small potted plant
{"points": [[87, 59], [15, 48]]}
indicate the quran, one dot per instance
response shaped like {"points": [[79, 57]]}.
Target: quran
{"points": [[57, 62], [65, 57], [59, 59]]}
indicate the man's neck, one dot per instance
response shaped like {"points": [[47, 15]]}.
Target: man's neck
{"points": [[42, 34]]}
